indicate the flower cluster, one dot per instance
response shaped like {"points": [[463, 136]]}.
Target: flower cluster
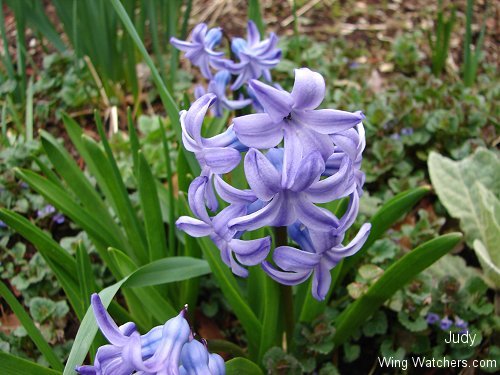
{"points": [[169, 349], [255, 59], [295, 157], [446, 323]]}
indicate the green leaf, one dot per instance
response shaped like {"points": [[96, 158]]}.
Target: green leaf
{"points": [[65, 203], [12, 365], [242, 366], [110, 180], [41, 308], [393, 279], [469, 189], [155, 273], [30, 327], [76, 180], [85, 275], [150, 203]]}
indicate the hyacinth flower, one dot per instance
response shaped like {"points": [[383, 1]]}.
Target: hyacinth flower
{"points": [[200, 48], [320, 253], [290, 188], [297, 157], [196, 359], [217, 154], [295, 113], [256, 57], [160, 351], [250, 252], [218, 87]]}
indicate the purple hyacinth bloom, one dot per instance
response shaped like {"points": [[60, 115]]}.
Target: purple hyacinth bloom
{"points": [[320, 253], [406, 131], [216, 155], [294, 113], [256, 57], [432, 318], [246, 252], [157, 352], [218, 86], [200, 49], [445, 323], [196, 360], [2, 224], [290, 185]]}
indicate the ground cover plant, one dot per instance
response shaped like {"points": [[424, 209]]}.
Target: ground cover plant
{"points": [[282, 188]]}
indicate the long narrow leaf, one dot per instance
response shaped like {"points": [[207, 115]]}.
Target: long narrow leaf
{"points": [[12, 365], [150, 203]]}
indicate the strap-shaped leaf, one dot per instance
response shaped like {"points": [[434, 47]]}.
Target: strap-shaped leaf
{"points": [[12, 365], [393, 279], [150, 203]]}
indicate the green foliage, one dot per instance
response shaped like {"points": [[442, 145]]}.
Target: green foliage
{"points": [[472, 55], [469, 190], [406, 54], [441, 43], [242, 366]]}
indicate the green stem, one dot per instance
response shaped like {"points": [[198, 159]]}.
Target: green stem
{"points": [[286, 292]]}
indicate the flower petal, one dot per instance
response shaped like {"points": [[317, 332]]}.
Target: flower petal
{"points": [[263, 178], [259, 218], [106, 324], [315, 217], [337, 253], [221, 220], [292, 259], [333, 187], [253, 35], [285, 278], [232, 195], [221, 160], [322, 280], [310, 170], [348, 142], [196, 198], [251, 252], [277, 103], [258, 130], [292, 158], [193, 227], [330, 121], [308, 90], [195, 115]]}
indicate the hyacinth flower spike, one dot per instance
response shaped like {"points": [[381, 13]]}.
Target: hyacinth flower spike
{"points": [[162, 351], [216, 155], [320, 253], [200, 49], [256, 57], [247, 252], [297, 112], [218, 87], [156, 352], [291, 185]]}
